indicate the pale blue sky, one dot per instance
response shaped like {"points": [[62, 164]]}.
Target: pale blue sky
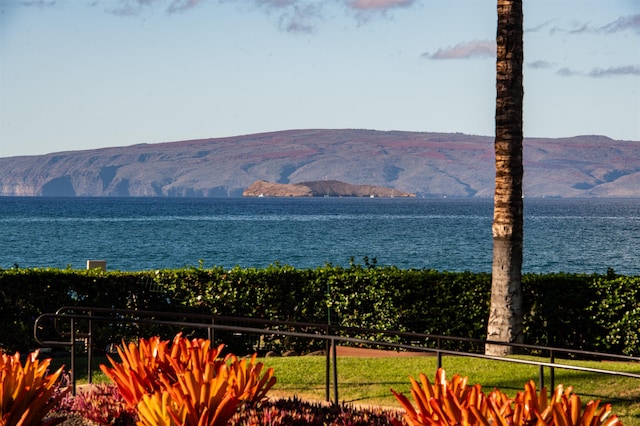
{"points": [[81, 74]]}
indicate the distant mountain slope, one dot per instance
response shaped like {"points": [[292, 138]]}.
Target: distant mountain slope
{"points": [[427, 164]]}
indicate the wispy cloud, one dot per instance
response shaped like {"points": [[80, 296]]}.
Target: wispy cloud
{"points": [[38, 3], [567, 72], [130, 7], [276, 3], [378, 4], [540, 65], [614, 71], [582, 28], [367, 10], [295, 16], [628, 70], [537, 28], [466, 50], [182, 5], [300, 18], [624, 23]]}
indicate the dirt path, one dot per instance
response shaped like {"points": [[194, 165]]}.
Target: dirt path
{"points": [[376, 353]]}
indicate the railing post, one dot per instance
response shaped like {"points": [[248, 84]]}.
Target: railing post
{"points": [[90, 350], [552, 370], [438, 353], [327, 372], [73, 357], [335, 372], [541, 376], [211, 331], [327, 380]]}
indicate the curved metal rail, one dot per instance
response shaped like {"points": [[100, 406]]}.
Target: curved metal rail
{"points": [[326, 332]]}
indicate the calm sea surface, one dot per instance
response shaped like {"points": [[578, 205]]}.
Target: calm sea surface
{"points": [[134, 234]]}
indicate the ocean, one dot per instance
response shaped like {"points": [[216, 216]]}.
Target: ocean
{"points": [[135, 234]]}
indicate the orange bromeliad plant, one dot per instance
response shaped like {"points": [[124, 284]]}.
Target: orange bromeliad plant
{"points": [[137, 374], [187, 382], [27, 393], [455, 403], [196, 398], [245, 382], [444, 403]]}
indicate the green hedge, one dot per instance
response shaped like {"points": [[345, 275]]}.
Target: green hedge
{"points": [[591, 312]]}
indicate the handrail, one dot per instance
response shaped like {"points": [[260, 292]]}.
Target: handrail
{"points": [[138, 317], [62, 314], [407, 334]]}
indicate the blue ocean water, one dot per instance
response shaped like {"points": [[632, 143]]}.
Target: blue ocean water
{"points": [[134, 234]]}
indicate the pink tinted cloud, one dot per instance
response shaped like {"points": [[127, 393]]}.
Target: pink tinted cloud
{"points": [[466, 50]]}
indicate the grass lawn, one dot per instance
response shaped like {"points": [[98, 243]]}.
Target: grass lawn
{"points": [[367, 381]]}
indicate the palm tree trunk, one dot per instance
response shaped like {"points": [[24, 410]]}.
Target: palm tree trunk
{"points": [[505, 316]]}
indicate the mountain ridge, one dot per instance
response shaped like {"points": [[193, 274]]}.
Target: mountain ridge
{"points": [[427, 164]]}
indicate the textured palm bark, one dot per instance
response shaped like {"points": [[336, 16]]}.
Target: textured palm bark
{"points": [[505, 316]]}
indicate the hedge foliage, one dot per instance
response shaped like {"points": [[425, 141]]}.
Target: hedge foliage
{"points": [[581, 311]]}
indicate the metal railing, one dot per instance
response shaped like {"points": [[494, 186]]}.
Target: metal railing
{"points": [[74, 316]]}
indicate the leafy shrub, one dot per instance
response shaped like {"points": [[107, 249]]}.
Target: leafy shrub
{"points": [[27, 393], [577, 327], [616, 310], [455, 403], [600, 312]]}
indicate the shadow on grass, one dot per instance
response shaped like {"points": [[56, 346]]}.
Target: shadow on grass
{"points": [[60, 359]]}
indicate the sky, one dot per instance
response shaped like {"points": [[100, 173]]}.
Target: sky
{"points": [[84, 74]]}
